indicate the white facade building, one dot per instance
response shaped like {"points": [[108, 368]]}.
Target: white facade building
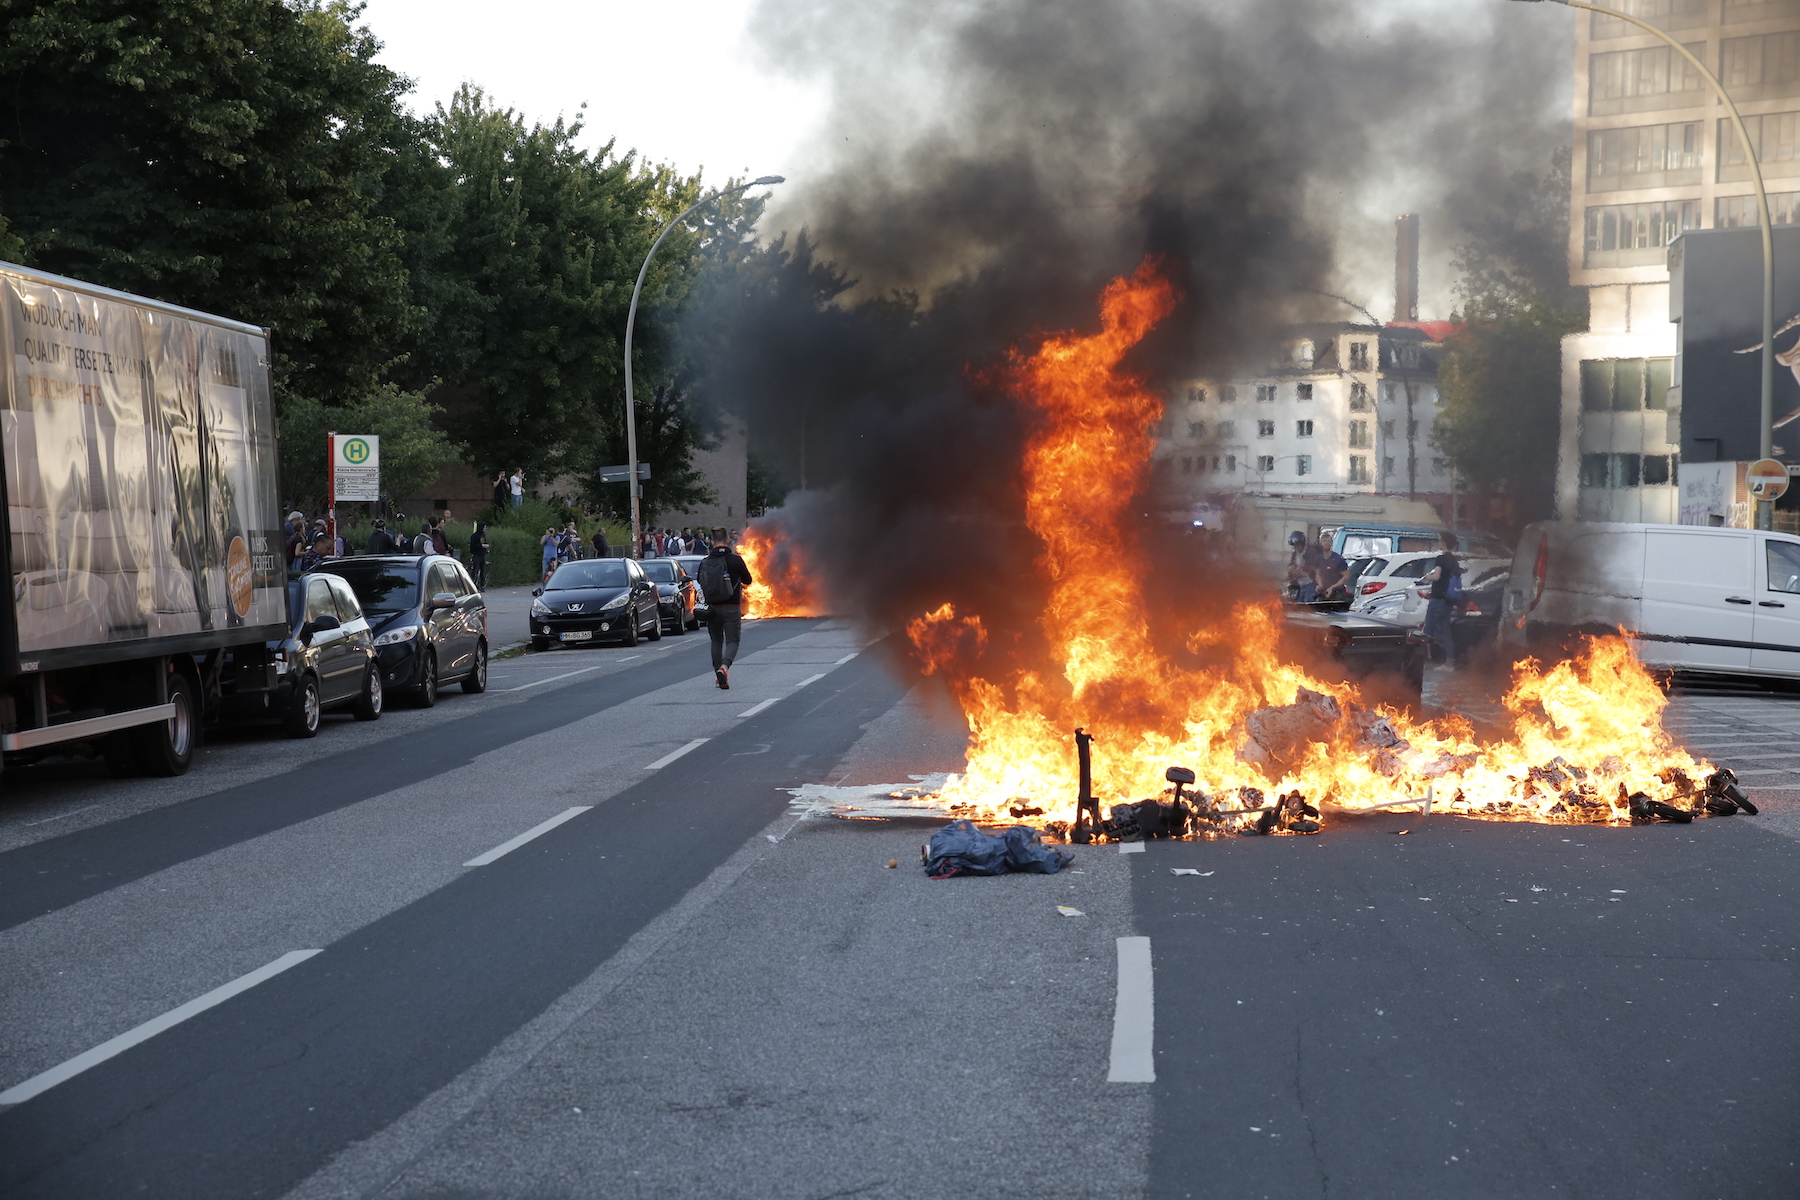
{"points": [[1347, 409]]}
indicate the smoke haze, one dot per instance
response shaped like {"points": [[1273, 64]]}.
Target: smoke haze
{"points": [[995, 163]]}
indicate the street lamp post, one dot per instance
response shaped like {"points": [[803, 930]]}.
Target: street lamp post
{"points": [[631, 457], [1765, 509]]}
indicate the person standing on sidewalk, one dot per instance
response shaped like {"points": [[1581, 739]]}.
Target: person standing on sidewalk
{"points": [[1445, 579], [478, 548], [723, 578]]}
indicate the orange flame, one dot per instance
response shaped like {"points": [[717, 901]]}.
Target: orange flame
{"points": [[1579, 729], [783, 587]]}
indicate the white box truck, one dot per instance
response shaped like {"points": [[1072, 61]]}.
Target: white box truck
{"points": [[142, 539], [1692, 598]]}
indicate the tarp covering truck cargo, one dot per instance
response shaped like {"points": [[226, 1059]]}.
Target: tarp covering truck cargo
{"points": [[143, 539]]}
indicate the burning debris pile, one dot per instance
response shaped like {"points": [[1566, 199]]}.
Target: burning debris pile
{"points": [[1586, 742], [783, 587]]}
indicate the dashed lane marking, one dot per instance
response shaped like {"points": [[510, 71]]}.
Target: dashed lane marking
{"points": [[756, 708], [507, 847], [44, 1081], [1134, 1016], [810, 679], [672, 755]]}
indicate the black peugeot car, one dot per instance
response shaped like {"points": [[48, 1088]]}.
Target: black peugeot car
{"points": [[676, 592], [593, 600], [428, 619], [328, 657]]}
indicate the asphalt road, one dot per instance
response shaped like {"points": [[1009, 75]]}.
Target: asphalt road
{"points": [[685, 986]]}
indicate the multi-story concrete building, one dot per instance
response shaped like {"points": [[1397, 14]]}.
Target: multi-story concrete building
{"points": [[1654, 155], [1346, 409]]}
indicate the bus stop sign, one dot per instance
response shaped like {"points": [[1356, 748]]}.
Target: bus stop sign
{"points": [[1767, 479]]}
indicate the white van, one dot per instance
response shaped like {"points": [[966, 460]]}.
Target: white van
{"points": [[1693, 598]]}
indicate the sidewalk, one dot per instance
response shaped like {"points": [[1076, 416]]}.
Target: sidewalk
{"points": [[509, 616]]}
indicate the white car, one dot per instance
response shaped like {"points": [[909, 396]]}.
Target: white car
{"points": [[1395, 592]]}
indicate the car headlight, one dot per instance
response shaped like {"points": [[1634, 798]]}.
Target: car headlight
{"points": [[540, 609], [617, 601], [394, 637]]}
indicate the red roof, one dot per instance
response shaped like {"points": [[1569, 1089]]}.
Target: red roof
{"points": [[1437, 331]]}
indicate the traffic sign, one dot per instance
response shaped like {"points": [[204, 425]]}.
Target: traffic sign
{"points": [[356, 466], [622, 472], [1767, 479]]}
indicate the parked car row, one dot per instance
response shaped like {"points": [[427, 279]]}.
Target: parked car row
{"points": [[362, 628], [615, 600]]}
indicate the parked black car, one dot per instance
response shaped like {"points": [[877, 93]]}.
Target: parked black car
{"points": [[676, 593], [328, 657], [428, 619], [596, 599]]}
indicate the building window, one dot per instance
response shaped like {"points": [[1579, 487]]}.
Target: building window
{"points": [[1440, 466], [1613, 470], [1227, 429], [1230, 463], [1227, 394], [1731, 212], [1303, 464], [1265, 392], [1359, 469], [1265, 462], [1387, 429], [1359, 397], [1644, 80], [1765, 65], [1389, 391], [1265, 429], [1403, 354], [1359, 435], [1387, 466], [1659, 469], [1773, 134], [1196, 429], [1187, 466], [1359, 356], [1635, 235], [1625, 384], [1645, 156], [1302, 428], [1215, 465], [1196, 395], [1669, 14], [1303, 391], [1303, 353]]}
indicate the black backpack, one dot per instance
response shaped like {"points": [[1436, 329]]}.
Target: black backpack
{"points": [[716, 582]]}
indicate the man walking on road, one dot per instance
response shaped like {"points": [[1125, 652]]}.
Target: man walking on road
{"points": [[723, 578], [1445, 579]]}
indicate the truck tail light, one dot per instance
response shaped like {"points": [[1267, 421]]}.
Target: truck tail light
{"points": [[1539, 571]]}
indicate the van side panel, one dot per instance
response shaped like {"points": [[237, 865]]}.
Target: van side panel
{"points": [[1698, 606], [1777, 571], [1593, 581]]}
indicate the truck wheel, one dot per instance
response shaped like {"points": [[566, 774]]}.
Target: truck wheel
{"points": [[368, 706], [425, 695], [167, 747], [476, 680], [302, 718]]}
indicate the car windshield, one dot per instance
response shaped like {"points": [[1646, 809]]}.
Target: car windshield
{"points": [[594, 572], [389, 587], [659, 570]]}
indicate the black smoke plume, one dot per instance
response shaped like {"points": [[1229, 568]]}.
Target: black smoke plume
{"points": [[988, 166]]}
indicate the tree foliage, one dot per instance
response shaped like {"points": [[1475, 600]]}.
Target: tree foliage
{"points": [[414, 452], [1502, 378]]}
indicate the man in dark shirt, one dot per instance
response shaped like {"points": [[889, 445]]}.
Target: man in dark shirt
{"points": [[723, 578], [380, 541], [1439, 606], [1331, 572]]}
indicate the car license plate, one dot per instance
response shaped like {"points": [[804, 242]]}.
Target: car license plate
{"points": [[577, 635]]}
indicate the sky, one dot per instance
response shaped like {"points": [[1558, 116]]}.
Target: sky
{"points": [[706, 105]]}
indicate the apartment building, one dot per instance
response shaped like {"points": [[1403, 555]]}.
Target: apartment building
{"points": [[1345, 409], [1655, 155]]}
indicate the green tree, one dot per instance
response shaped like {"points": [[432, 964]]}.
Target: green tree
{"points": [[228, 155], [414, 452], [1501, 380]]}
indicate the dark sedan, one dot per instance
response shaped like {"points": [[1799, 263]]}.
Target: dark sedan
{"points": [[328, 657], [676, 593], [428, 618], [594, 600], [1476, 622]]}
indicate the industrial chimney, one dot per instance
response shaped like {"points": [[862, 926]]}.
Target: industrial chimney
{"points": [[1406, 267]]}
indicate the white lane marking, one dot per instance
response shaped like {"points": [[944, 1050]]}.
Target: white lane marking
{"points": [[628, 658], [810, 679], [672, 755], [1131, 847], [507, 847], [756, 708], [840, 662], [554, 678], [61, 816], [44, 1081], [1134, 1017]]}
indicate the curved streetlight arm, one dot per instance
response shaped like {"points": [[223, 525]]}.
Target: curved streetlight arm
{"points": [[1765, 509], [631, 325]]}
